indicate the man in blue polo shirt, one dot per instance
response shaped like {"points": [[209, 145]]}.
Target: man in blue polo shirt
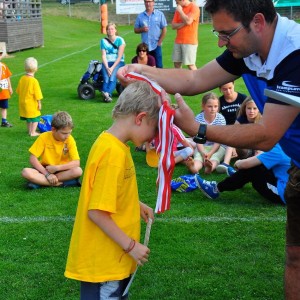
{"points": [[264, 49], [152, 25]]}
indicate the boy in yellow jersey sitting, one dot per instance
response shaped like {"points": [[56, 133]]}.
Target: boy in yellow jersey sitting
{"points": [[104, 248], [54, 156]]}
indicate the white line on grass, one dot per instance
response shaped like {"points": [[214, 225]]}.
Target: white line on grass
{"points": [[202, 219], [65, 56]]}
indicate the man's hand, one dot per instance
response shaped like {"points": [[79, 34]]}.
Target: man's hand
{"points": [[123, 71], [184, 117]]}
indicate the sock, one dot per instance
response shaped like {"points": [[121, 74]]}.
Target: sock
{"points": [[184, 153], [4, 120]]}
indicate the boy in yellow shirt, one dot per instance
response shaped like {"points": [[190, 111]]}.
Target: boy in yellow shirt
{"points": [[30, 96], [54, 156], [104, 248]]}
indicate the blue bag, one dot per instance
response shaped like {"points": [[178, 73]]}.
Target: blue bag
{"points": [[45, 123], [184, 183]]}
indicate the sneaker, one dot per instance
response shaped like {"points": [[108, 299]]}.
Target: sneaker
{"points": [[230, 171], [222, 168], [106, 97], [33, 186], [6, 124], [71, 183], [208, 188]]}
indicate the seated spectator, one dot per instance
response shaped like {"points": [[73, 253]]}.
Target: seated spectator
{"points": [[143, 57], [248, 113], [112, 49], [210, 154], [230, 102], [54, 156], [267, 172]]}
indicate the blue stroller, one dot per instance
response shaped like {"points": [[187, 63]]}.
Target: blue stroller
{"points": [[92, 80]]}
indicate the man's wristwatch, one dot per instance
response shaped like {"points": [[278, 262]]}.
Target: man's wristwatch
{"points": [[200, 138]]}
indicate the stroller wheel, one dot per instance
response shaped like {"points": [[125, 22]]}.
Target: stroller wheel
{"points": [[86, 91]]}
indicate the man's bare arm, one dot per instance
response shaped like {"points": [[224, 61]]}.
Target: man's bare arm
{"points": [[263, 135]]}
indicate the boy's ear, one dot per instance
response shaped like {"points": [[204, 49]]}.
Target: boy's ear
{"points": [[139, 117]]}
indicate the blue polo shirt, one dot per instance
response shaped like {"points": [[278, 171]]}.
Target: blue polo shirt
{"points": [[156, 22], [280, 72]]}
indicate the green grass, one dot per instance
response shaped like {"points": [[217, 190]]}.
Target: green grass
{"points": [[230, 248]]}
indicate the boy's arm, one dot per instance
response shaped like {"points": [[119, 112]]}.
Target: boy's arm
{"points": [[247, 163], [103, 220], [37, 165], [39, 105], [10, 86], [58, 168]]}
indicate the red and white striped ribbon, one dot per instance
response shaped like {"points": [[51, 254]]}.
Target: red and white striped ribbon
{"points": [[166, 160], [166, 138]]}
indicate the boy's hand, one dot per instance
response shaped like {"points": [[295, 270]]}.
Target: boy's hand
{"points": [[52, 179], [51, 169], [140, 253], [146, 212]]}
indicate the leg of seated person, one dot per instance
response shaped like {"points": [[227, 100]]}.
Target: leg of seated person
{"points": [[69, 174], [228, 155], [194, 165], [35, 176], [237, 180], [265, 183]]}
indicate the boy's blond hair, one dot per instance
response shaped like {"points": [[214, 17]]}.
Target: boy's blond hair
{"points": [[137, 97], [31, 65], [62, 119]]}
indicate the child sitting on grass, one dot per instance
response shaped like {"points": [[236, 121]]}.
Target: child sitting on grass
{"points": [[30, 96], [248, 113], [54, 156], [104, 248], [209, 154]]}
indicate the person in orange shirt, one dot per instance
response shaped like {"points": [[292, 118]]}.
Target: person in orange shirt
{"points": [[185, 21], [5, 91]]}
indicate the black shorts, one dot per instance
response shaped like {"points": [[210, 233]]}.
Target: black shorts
{"points": [[292, 196]]}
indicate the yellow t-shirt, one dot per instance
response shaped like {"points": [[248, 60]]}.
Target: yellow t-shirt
{"points": [[29, 92], [109, 184], [53, 152]]}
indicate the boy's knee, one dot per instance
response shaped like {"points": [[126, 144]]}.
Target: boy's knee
{"points": [[25, 173]]}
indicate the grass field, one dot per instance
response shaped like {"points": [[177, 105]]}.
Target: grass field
{"points": [[230, 248]]}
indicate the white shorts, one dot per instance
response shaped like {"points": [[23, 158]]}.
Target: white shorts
{"points": [[185, 53]]}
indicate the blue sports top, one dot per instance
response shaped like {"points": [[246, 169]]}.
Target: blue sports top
{"points": [[111, 51], [280, 72], [277, 161]]}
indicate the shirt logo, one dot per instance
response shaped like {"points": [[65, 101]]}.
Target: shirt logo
{"points": [[288, 88]]}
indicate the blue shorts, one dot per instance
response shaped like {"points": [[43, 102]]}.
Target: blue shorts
{"points": [[4, 103], [112, 290]]}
